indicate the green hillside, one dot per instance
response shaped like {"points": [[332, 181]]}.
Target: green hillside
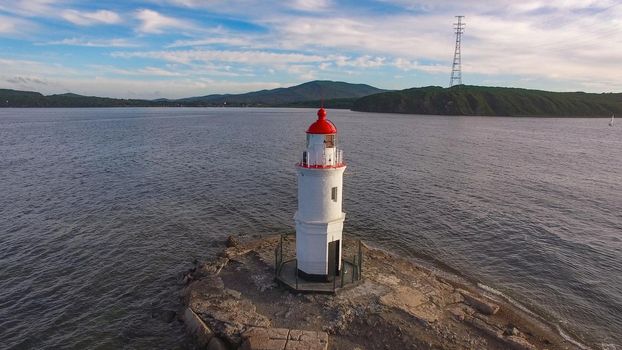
{"points": [[15, 98], [310, 91], [490, 101], [335, 94]]}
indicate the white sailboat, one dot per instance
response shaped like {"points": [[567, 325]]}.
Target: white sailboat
{"points": [[611, 121]]}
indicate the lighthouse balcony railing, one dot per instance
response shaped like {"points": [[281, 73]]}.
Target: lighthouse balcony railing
{"points": [[323, 160]]}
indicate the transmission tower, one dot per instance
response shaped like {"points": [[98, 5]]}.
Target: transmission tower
{"points": [[456, 68]]}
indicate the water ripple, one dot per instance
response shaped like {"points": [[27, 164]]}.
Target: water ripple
{"points": [[102, 208]]}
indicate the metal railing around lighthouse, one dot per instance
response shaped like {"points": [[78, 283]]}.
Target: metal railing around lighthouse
{"points": [[286, 269], [324, 160]]}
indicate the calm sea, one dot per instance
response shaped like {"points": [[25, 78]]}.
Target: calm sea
{"points": [[101, 209]]}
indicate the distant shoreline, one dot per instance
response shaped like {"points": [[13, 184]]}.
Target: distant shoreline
{"points": [[313, 107], [461, 100]]}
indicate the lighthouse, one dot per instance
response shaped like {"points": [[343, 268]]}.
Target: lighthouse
{"points": [[319, 219]]}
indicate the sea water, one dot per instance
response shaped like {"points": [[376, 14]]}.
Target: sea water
{"points": [[102, 209]]}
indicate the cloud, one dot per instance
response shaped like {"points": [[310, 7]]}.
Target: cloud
{"points": [[7, 25], [250, 57], [30, 8], [366, 61], [91, 18], [146, 71], [12, 27], [230, 41], [49, 78], [114, 42], [407, 65], [302, 72], [26, 81], [566, 44], [309, 5], [153, 22]]}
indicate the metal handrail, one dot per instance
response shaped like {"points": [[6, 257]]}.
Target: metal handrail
{"points": [[355, 274], [311, 160]]}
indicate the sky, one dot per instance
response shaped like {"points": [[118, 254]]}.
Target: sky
{"points": [[181, 48]]}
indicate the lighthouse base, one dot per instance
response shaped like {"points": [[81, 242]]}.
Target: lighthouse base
{"points": [[289, 274], [318, 249], [312, 277]]}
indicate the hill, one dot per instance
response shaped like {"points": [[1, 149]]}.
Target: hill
{"points": [[16, 98], [310, 94], [311, 91], [491, 101]]}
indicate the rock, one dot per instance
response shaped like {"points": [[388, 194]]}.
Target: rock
{"points": [[484, 327], [454, 298], [511, 330], [413, 302], [234, 252], [519, 343], [233, 293], [396, 306], [511, 342], [484, 306], [216, 344], [232, 241], [187, 279], [195, 326], [284, 339], [225, 311], [457, 313], [213, 267], [257, 338]]}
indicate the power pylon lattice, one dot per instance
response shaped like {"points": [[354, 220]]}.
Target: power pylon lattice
{"points": [[456, 68]]}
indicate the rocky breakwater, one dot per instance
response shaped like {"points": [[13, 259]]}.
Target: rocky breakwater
{"points": [[233, 302]]}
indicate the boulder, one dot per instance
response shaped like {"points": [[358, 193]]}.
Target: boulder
{"points": [[484, 306], [216, 344], [232, 241], [195, 326]]}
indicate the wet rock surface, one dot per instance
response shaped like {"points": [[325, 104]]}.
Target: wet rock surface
{"points": [[398, 305]]}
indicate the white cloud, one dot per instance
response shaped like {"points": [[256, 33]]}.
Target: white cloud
{"points": [[82, 18], [249, 57], [406, 65], [572, 42], [146, 71], [30, 8], [309, 5], [8, 25], [53, 78], [230, 41], [366, 61], [302, 72], [114, 42], [155, 23], [15, 27]]}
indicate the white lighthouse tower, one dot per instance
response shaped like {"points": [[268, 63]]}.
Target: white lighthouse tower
{"points": [[319, 219]]}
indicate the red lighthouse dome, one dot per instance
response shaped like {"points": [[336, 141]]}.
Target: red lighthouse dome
{"points": [[322, 125]]}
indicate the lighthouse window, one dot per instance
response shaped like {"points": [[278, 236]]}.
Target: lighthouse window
{"points": [[329, 141], [333, 194]]}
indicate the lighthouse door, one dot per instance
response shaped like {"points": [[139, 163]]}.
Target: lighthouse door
{"points": [[333, 258]]}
